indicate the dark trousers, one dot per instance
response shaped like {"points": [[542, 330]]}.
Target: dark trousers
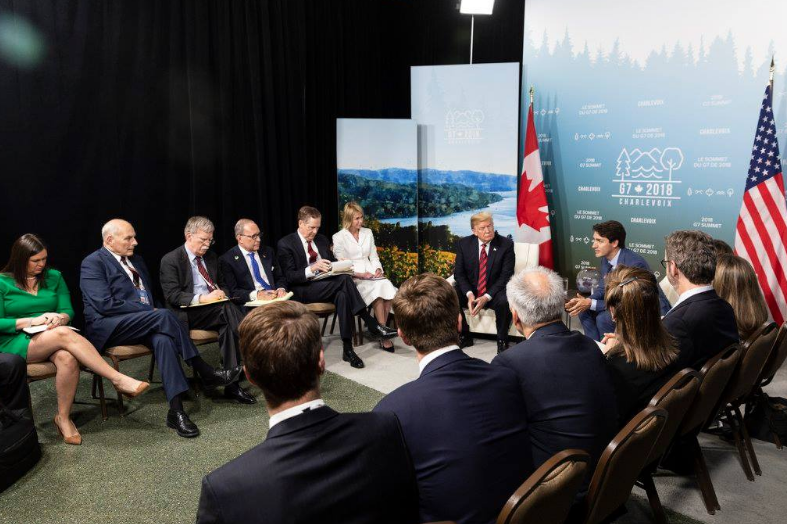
{"points": [[339, 290], [499, 304], [14, 394], [225, 318], [161, 331], [596, 323]]}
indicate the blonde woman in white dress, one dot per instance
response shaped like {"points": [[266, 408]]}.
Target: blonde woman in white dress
{"points": [[355, 242]]}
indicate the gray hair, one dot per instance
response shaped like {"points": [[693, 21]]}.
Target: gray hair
{"points": [[241, 224], [198, 223], [111, 228], [694, 253], [537, 295]]}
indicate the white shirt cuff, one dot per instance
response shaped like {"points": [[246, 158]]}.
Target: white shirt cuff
{"points": [[253, 295], [194, 300], [469, 293], [309, 273], [593, 304], [488, 296]]}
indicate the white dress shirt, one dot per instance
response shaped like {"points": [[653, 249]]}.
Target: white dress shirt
{"points": [[200, 284], [433, 355], [126, 268], [305, 245], [257, 285], [690, 293], [613, 263], [294, 411]]}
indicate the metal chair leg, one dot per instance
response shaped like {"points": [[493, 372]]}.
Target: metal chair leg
{"points": [[324, 325], [653, 498], [736, 433], [333, 323], [747, 441], [102, 398], [152, 367], [704, 480]]}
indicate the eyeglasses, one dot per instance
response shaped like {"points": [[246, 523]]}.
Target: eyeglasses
{"points": [[253, 237], [208, 241], [664, 263]]}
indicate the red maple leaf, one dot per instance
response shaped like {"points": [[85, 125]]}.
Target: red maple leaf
{"points": [[530, 201]]}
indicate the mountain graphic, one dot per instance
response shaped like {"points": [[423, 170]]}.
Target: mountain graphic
{"points": [[645, 164]]}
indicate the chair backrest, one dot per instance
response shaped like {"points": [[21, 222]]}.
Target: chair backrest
{"points": [[714, 376], [675, 397], [622, 462], [546, 496], [754, 354], [526, 255], [777, 358]]}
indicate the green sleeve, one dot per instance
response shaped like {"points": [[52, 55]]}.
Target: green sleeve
{"points": [[63, 298], [7, 325]]}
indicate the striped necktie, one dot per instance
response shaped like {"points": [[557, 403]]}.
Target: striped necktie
{"points": [[482, 272]]}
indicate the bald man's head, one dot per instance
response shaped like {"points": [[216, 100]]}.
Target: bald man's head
{"points": [[536, 295], [119, 237]]}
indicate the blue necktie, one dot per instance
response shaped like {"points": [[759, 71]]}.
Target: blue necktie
{"points": [[255, 268]]}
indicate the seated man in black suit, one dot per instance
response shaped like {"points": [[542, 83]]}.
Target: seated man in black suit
{"points": [[250, 270], [190, 276], [702, 323], [484, 264], [564, 378], [462, 418], [304, 255], [120, 310], [316, 465]]}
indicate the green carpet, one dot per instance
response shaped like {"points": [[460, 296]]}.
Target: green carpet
{"points": [[135, 469]]}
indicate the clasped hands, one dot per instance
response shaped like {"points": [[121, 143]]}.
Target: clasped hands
{"points": [[476, 304], [271, 294], [213, 296], [577, 305], [51, 320], [368, 275], [321, 266]]}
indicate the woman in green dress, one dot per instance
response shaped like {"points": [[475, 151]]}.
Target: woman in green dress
{"points": [[34, 296]]}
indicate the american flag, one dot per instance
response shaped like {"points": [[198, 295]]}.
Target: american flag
{"points": [[762, 224]]}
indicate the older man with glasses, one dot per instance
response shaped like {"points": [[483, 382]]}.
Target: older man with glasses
{"points": [[194, 289]]}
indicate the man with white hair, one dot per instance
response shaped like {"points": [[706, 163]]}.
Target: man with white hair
{"points": [[120, 310], [568, 393], [194, 289]]}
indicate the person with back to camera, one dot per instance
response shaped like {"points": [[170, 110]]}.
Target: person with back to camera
{"points": [[736, 282], [33, 295]]}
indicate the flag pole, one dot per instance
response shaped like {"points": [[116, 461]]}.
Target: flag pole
{"points": [[773, 70], [533, 89]]}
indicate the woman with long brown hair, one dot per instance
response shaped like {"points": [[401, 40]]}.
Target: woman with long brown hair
{"points": [[641, 353], [736, 282], [33, 296]]}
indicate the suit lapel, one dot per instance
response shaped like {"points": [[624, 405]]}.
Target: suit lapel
{"points": [[185, 267], [492, 255], [267, 265]]}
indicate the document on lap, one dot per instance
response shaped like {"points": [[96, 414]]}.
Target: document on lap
{"points": [[205, 303], [257, 303], [39, 329], [344, 267]]}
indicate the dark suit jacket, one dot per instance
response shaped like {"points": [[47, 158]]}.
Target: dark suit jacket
{"points": [[499, 265], [704, 324], [630, 259], [237, 278], [568, 392], [292, 257], [463, 424], [177, 281], [320, 466], [108, 292]]}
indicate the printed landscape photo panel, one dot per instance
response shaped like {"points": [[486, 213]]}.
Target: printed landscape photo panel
{"points": [[467, 119], [377, 169]]}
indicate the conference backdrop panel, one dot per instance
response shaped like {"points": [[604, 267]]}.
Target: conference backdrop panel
{"points": [[467, 119], [377, 168], [646, 113]]}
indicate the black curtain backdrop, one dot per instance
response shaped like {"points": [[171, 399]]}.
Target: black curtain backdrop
{"points": [[156, 111]]}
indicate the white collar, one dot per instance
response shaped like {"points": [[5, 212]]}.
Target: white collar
{"points": [[481, 242], [245, 253], [117, 257], [191, 255], [294, 411], [691, 292], [433, 355], [303, 240], [614, 261]]}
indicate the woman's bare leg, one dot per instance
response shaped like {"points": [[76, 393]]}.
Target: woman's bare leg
{"points": [[382, 317], [66, 381], [45, 344]]}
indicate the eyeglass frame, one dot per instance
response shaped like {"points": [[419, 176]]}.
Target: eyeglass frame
{"points": [[253, 237], [209, 241]]}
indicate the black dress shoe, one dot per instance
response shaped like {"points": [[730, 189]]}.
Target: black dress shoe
{"points": [[384, 332], [465, 341], [501, 346], [221, 377], [350, 356], [239, 395], [180, 422]]}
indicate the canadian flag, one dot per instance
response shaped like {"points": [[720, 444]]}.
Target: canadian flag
{"points": [[532, 210]]}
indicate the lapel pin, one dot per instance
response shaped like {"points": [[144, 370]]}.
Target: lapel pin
{"points": [[236, 257], [494, 249]]}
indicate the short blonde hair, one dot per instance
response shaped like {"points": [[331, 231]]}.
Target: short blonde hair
{"points": [[350, 209], [482, 216]]}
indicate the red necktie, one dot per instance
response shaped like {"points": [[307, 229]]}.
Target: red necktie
{"points": [[204, 273], [482, 272], [134, 274], [312, 253]]}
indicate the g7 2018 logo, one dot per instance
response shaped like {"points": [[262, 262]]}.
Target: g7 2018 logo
{"points": [[647, 178]]}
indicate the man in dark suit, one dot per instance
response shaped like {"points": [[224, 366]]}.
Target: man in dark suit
{"points": [[316, 465], [250, 270], [119, 310], [191, 280], [484, 263], [609, 244], [462, 418], [568, 392], [305, 254], [701, 321]]}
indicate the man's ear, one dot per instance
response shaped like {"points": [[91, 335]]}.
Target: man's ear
{"points": [[248, 377], [322, 361], [404, 338], [459, 322], [615, 244], [514, 317]]}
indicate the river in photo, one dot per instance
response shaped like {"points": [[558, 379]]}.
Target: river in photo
{"points": [[504, 213]]}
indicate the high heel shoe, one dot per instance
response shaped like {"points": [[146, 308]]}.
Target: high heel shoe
{"points": [[389, 349], [74, 440], [137, 392]]}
